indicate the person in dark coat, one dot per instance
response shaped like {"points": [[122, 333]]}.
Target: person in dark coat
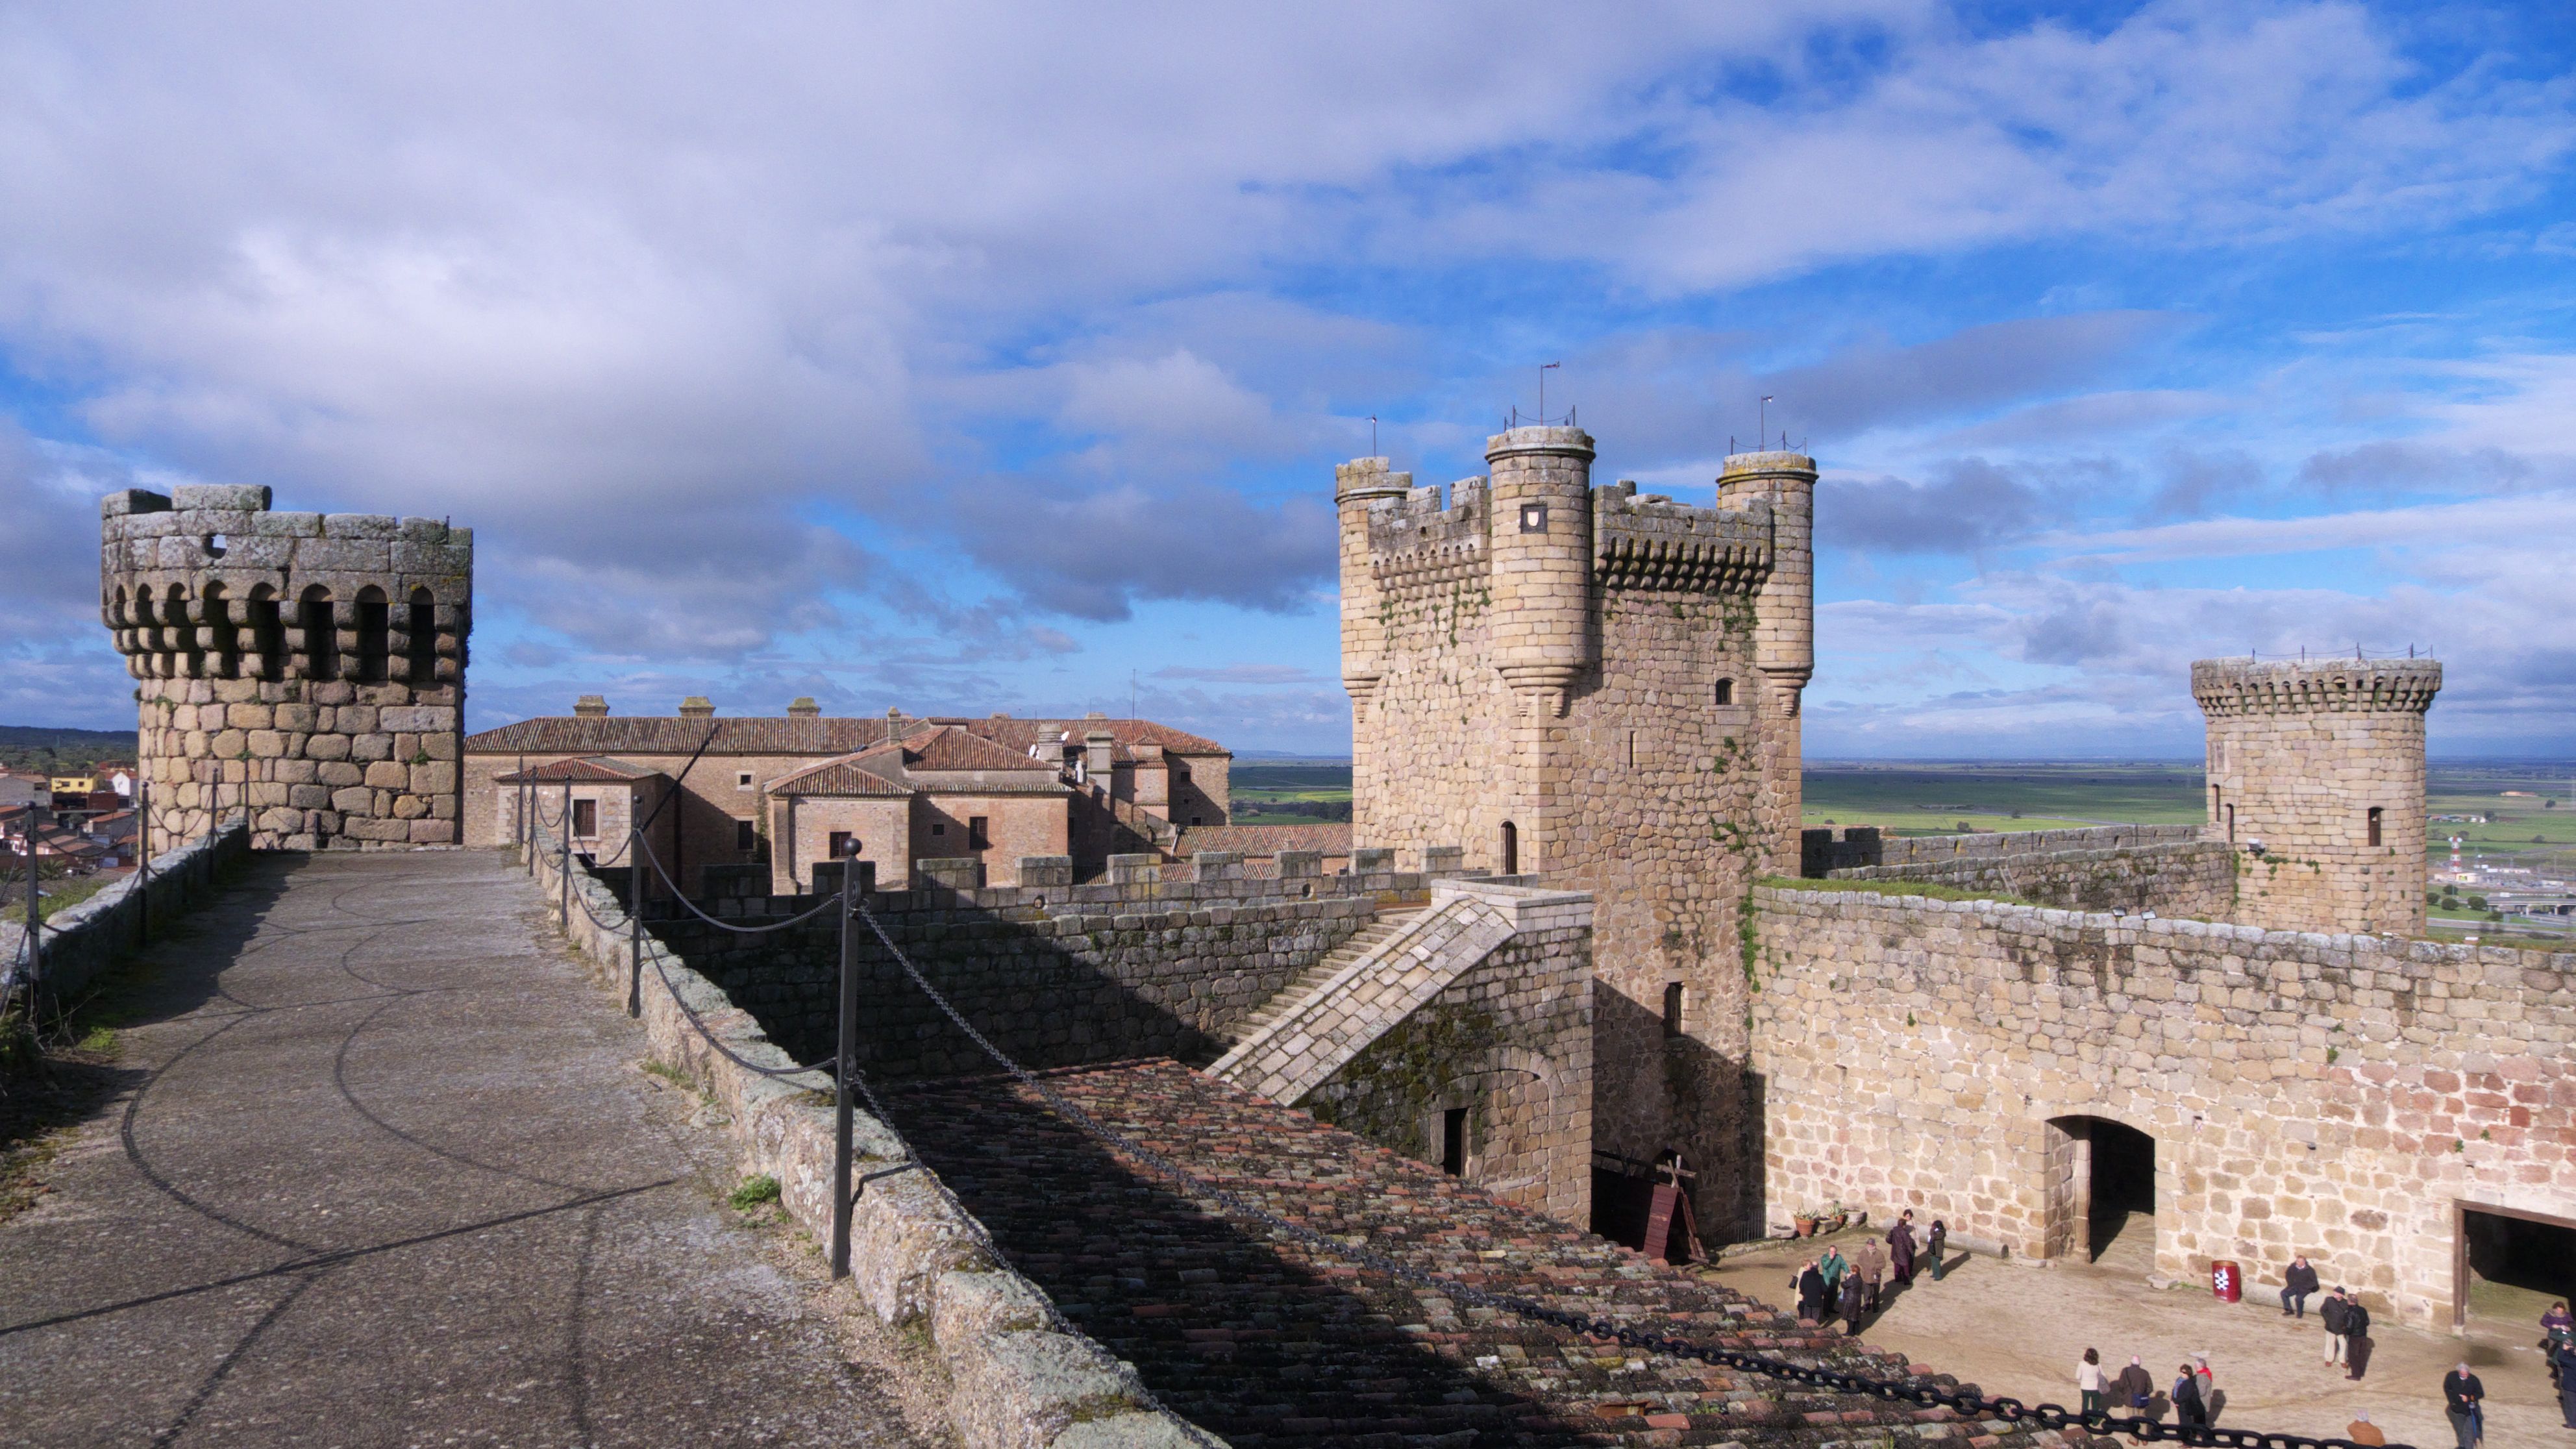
{"points": [[1854, 1296], [2563, 1358], [1939, 1248], [1871, 1265], [1900, 1246], [2461, 1395], [2190, 1410], [2356, 1338], [2134, 1387], [1813, 1305], [2333, 1313], [2296, 1285]]}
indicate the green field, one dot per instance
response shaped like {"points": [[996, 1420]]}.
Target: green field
{"points": [[35, 749], [1291, 792], [1917, 798]]}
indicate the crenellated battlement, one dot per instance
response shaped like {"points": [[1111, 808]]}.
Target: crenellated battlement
{"points": [[1417, 545], [1652, 542], [2284, 686], [305, 671]]}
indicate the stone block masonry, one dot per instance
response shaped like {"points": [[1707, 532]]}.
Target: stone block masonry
{"points": [[300, 672], [91, 936], [2340, 1096], [2167, 869]]}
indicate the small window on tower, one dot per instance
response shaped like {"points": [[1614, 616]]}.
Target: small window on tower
{"points": [[1725, 691], [1672, 1008], [1533, 518], [2374, 825]]}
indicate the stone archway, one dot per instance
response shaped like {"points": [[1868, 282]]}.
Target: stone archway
{"points": [[2099, 1189]]}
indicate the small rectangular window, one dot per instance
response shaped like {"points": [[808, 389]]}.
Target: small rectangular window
{"points": [[2374, 824], [1533, 518], [1672, 1008], [938, 828], [742, 779], [1453, 1142], [978, 836], [585, 819], [1725, 691], [841, 846], [745, 835]]}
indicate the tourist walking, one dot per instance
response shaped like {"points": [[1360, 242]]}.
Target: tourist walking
{"points": [[2562, 1355], [1852, 1295], [1872, 1266], [2362, 1431], [1939, 1248], [2135, 1386], [2296, 1285], [2356, 1338], [2089, 1381], [1810, 1283], [1900, 1247], [2209, 1400], [2557, 1328], [2334, 1313], [2190, 1410], [2461, 1396], [1833, 1265]]}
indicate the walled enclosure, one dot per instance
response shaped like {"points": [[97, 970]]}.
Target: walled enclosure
{"points": [[2328, 1095], [303, 670], [1602, 689], [2167, 869], [1170, 960], [2323, 764]]}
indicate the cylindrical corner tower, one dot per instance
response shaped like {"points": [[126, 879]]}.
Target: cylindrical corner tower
{"points": [[1541, 551], [1357, 485], [2316, 776], [301, 671], [1784, 629]]}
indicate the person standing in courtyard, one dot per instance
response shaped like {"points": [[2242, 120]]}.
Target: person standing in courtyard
{"points": [[2089, 1381], [1872, 1267], [1939, 1247], [2562, 1357], [2461, 1396], [1900, 1247], [2362, 1431], [2333, 1313], [1813, 1305], [1833, 1265], [2296, 1285], [2190, 1411], [2135, 1386], [1852, 1294], [2356, 1338], [2557, 1329]]}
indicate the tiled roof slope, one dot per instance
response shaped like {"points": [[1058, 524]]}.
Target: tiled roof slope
{"points": [[889, 769], [763, 735], [848, 775], [953, 747], [1272, 1344], [1019, 734], [594, 771], [1330, 837]]}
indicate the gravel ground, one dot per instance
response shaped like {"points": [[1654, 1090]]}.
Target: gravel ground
{"points": [[388, 1173]]}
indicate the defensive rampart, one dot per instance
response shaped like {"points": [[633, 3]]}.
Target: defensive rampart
{"points": [[87, 938], [2339, 1096], [2167, 869]]}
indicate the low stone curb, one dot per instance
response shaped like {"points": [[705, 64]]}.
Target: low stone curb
{"points": [[87, 938], [1016, 1382]]}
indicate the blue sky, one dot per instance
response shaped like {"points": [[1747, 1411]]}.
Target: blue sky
{"points": [[970, 358]]}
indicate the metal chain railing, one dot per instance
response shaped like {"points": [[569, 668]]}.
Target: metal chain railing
{"points": [[1918, 1391]]}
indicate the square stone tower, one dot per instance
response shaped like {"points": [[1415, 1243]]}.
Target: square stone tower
{"points": [[1599, 689], [2316, 776], [304, 671]]}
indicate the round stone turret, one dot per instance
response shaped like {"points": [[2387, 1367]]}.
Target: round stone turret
{"points": [[1359, 485], [2316, 776], [1785, 638], [1542, 560], [303, 671]]}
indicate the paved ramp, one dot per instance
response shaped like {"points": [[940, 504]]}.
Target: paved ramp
{"points": [[386, 1173]]}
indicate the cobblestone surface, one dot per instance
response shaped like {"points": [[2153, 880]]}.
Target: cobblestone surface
{"points": [[1270, 1344]]}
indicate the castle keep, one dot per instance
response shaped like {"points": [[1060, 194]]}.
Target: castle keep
{"points": [[303, 671], [1600, 688]]}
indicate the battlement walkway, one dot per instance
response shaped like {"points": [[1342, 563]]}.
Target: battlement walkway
{"points": [[385, 1172]]}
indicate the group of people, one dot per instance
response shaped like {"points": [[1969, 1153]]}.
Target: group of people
{"points": [[2346, 1321], [2558, 1342], [1832, 1286], [2132, 1390]]}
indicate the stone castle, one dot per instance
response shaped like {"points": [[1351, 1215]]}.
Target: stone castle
{"points": [[1577, 939], [302, 671]]}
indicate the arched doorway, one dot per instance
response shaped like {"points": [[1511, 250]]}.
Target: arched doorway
{"points": [[2101, 1192]]}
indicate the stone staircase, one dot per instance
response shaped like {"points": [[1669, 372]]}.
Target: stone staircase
{"points": [[1306, 983]]}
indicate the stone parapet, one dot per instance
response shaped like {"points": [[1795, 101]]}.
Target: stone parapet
{"points": [[2226, 687], [88, 938]]}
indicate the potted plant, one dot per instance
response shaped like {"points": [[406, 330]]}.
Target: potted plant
{"points": [[1805, 1219], [1835, 1223]]}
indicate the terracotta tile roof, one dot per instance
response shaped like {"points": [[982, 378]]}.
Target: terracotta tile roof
{"points": [[889, 769], [595, 771], [1331, 837], [672, 735], [953, 747], [848, 775], [1020, 734]]}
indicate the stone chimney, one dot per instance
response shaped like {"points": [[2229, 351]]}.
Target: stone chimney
{"points": [[697, 706], [1099, 749], [590, 706], [804, 707]]}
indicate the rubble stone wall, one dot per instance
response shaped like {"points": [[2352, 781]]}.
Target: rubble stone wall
{"points": [[2167, 869], [2338, 1096], [301, 671]]}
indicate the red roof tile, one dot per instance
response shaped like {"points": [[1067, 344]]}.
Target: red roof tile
{"points": [[589, 771]]}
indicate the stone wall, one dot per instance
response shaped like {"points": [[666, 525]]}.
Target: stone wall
{"points": [[2337, 1096], [917, 1258], [302, 671], [2166, 869], [1610, 683], [89, 937]]}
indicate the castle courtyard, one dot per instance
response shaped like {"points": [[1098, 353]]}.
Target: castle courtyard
{"points": [[2018, 1330]]}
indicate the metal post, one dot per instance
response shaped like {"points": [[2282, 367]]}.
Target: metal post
{"points": [[563, 902], [844, 1074], [35, 928], [635, 922]]}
